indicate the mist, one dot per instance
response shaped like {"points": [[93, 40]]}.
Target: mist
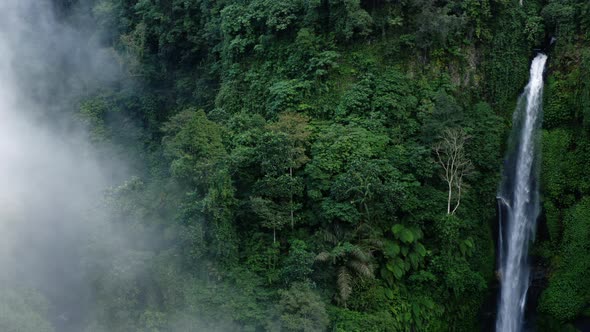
{"points": [[51, 177], [68, 262]]}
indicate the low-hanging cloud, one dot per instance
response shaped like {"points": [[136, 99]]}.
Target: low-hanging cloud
{"points": [[50, 175], [57, 238]]}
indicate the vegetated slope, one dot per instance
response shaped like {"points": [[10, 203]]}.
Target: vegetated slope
{"points": [[292, 154], [565, 245]]}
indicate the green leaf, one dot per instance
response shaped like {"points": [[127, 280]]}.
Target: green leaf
{"points": [[420, 249], [397, 228], [407, 236], [417, 233], [392, 249], [462, 248], [407, 266], [415, 309], [389, 293], [390, 266], [408, 316], [429, 304], [398, 261], [405, 251], [414, 260]]}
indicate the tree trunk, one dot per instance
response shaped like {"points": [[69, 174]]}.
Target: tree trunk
{"points": [[458, 197], [449, 199], [291, 200]]}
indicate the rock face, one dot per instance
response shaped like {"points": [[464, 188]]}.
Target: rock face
{"points": [[538, 283]]}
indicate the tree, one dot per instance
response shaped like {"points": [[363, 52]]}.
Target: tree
{"points": [[351, 260], [302, 309], [194, 144], [337, 154], [272, 214], [349, 19], [199, 165], [281, 151], [294, 127], [370, 191], [298, 264], [450, 153]]}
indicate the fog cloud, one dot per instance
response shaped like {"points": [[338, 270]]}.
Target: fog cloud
{"points": [[50, 176]]}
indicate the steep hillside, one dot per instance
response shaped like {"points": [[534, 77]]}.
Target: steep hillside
{"points": [[291, 161]]}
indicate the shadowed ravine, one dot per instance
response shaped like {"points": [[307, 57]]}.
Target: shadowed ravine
{"points": [[519, 202]]}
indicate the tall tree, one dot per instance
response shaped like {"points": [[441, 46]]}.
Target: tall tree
{"points": [[199, 165], [281, 152], [295, 128], [450, 154]]}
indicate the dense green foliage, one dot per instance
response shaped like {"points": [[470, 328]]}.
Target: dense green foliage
{"points": [[285, 176], [566, 154]]}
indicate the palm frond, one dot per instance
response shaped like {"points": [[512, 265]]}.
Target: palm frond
{"points": [[344, 283], [375, 243], [358, 254], [330, 237], [323, 256], [363, 269]]}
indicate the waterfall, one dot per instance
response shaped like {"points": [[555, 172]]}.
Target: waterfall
{"points": [[519, 202]]}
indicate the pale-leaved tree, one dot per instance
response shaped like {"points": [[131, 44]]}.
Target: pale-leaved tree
{"points": [[450, 154]]}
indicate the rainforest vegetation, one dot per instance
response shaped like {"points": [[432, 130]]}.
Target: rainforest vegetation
{"points": [[289, 163]]}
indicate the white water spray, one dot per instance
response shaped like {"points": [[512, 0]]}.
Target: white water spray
{"points": [[519, 202]]}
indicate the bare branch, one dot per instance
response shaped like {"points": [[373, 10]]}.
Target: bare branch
{"points": [[450, 155]]}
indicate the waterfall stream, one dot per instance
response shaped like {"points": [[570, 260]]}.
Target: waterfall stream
{"points": [[519, 202]]}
